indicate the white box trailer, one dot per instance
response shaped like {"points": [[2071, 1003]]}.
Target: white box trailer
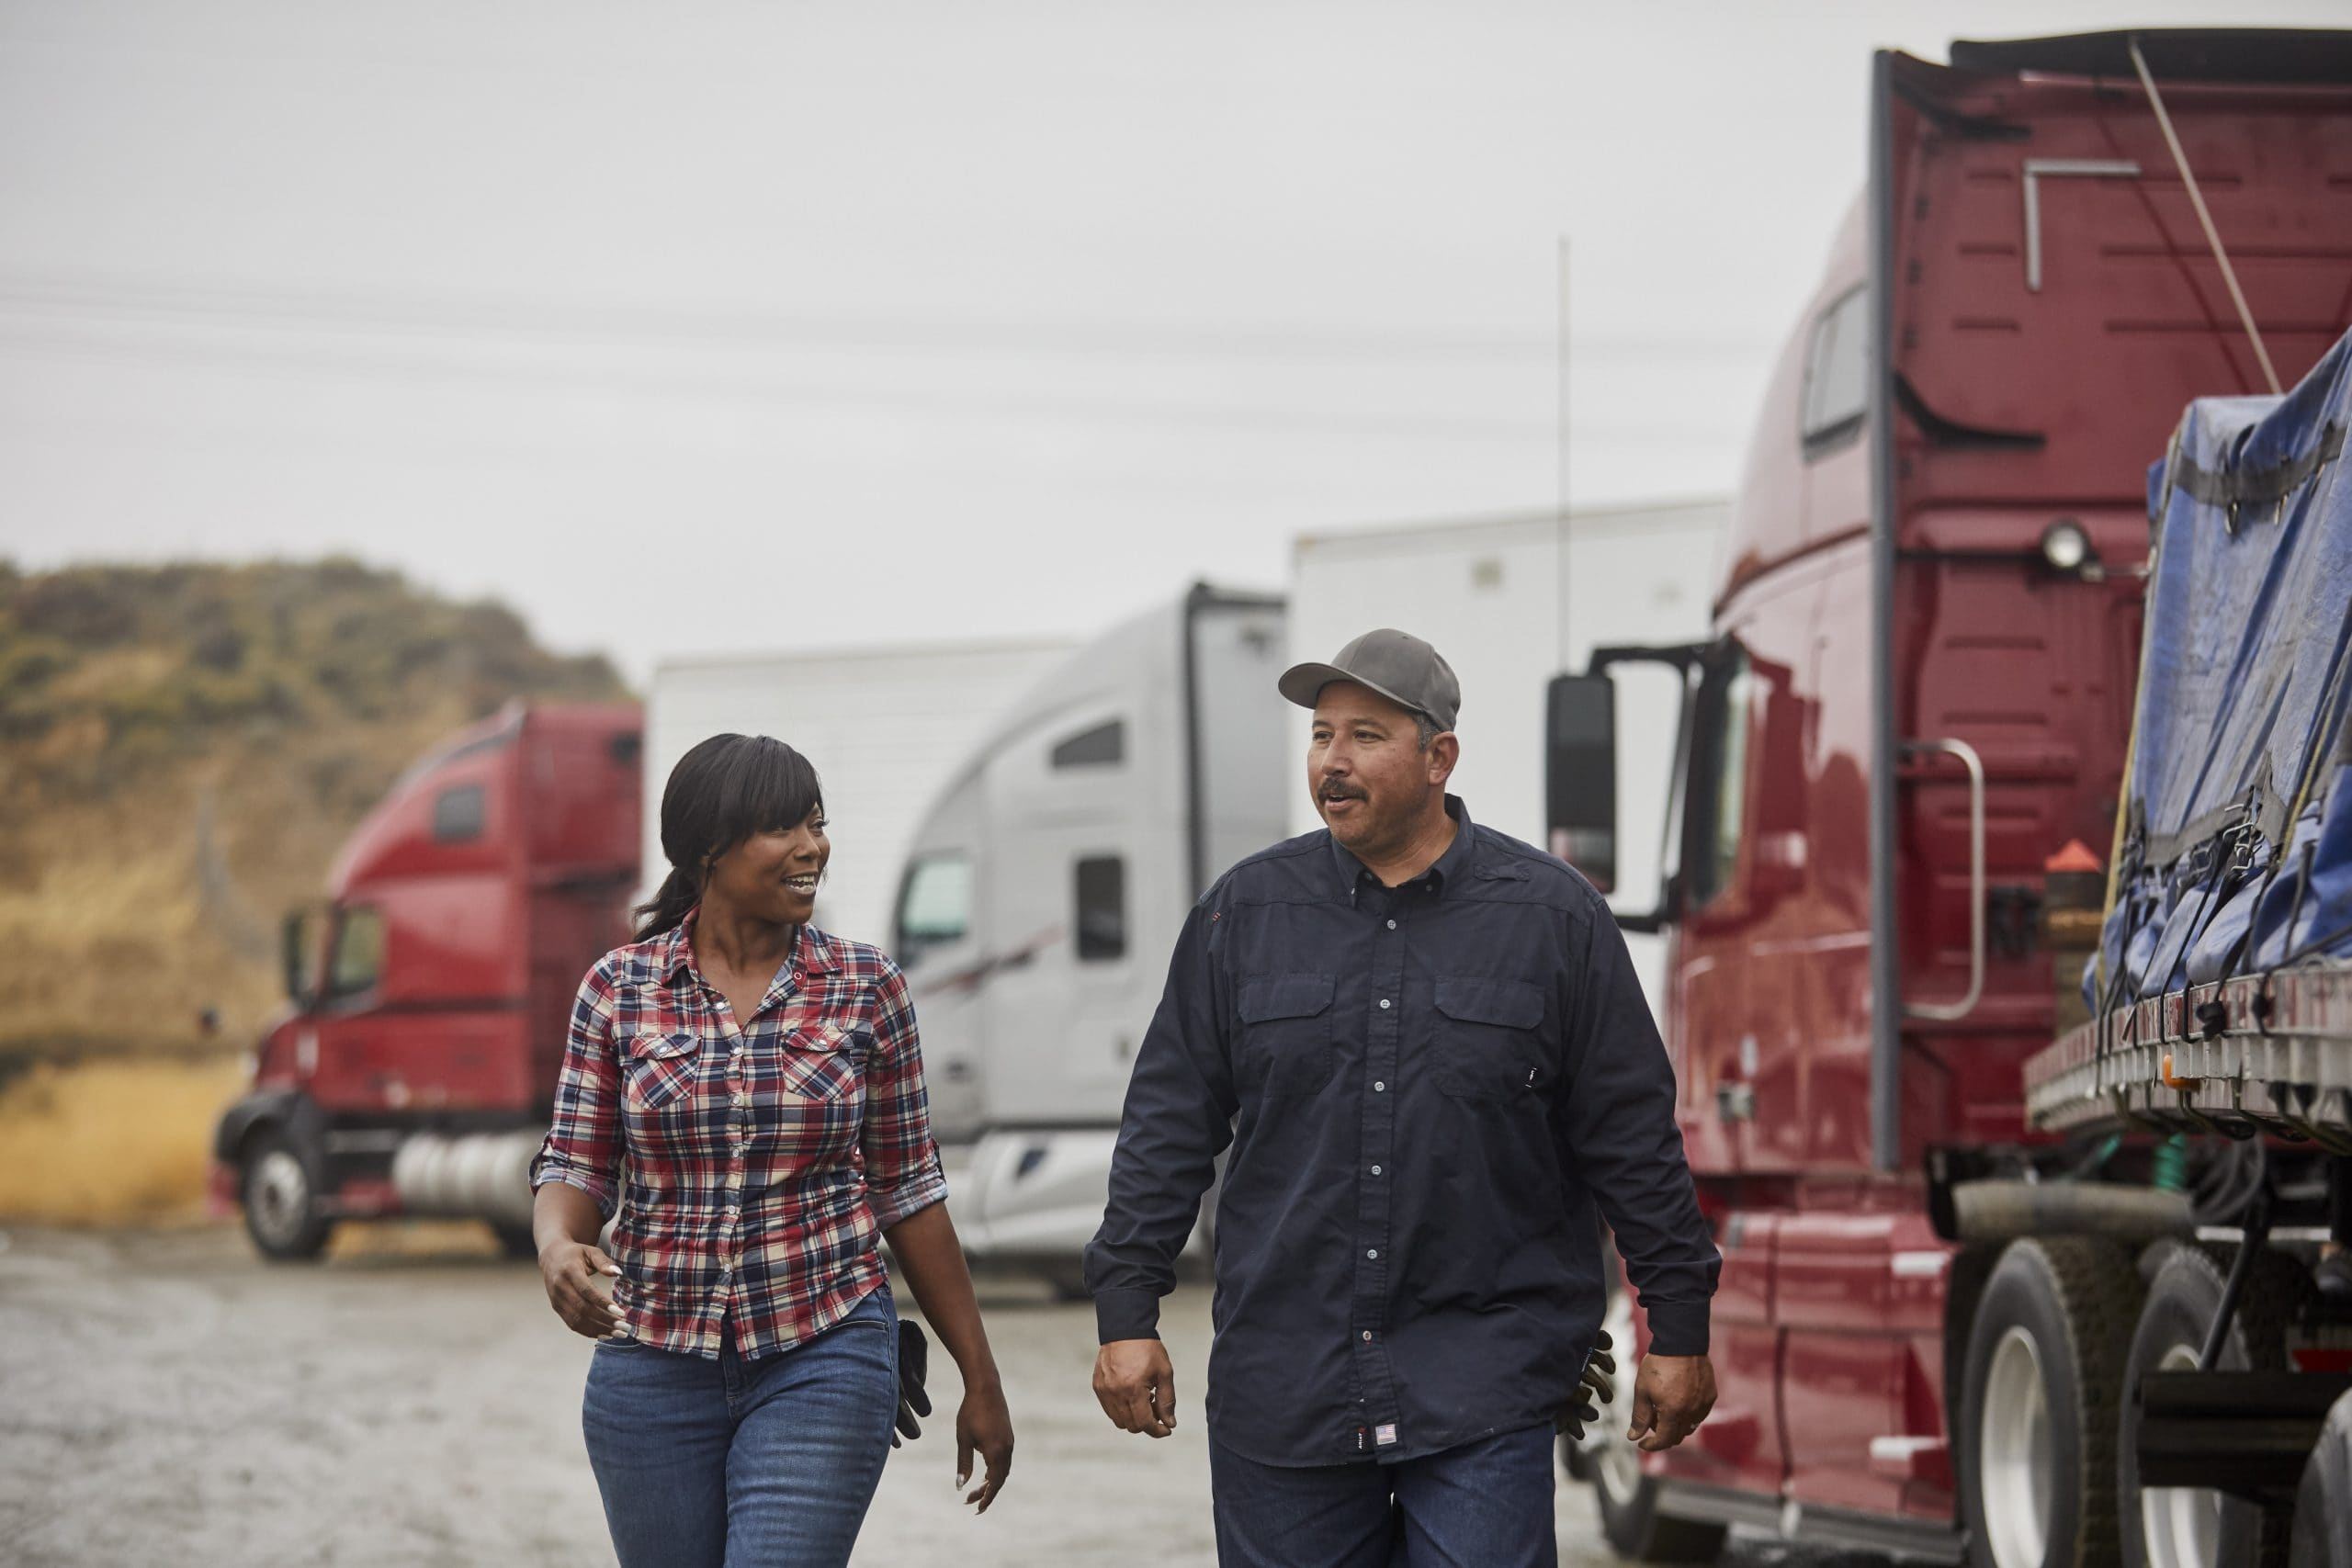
{"points": [[1490, 595], [885, 726]]}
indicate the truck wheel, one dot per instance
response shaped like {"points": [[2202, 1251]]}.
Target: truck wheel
{"points": [[2323, 1501], [2181, 1527], [278, 1191], [2040, 1400], [1628, 1499]]}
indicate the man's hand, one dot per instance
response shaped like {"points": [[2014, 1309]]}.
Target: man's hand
{"points": [[1137, 1386], [1595, 1387], [1671, 1395]]}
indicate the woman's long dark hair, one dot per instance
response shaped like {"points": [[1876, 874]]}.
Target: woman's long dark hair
{"points": [[721, 792]]}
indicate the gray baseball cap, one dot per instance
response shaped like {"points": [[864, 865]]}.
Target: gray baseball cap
{"points": [[1398, 665]]}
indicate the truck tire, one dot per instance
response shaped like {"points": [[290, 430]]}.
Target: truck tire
{"points": [[2322, 1537], [277, 1187], [1628, 1499], [2039, 1398], [2177, 1527]]}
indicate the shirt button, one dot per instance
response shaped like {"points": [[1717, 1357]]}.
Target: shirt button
{"points": [[1383, 1004], [1391, 925], [1368, 1336], [1376, 1170], [1379, 1088], [1372, 1252], [742, 1100]]}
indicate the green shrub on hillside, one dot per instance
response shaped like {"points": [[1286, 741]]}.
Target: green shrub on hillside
{"points": [[182, 749], [170, 657]]}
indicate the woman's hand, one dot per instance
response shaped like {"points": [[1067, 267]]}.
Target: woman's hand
{"points": [[569, 1271], [932, 1260], [983, 1424]]}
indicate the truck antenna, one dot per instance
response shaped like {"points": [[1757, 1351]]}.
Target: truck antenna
{"points": [[1560, 435]]}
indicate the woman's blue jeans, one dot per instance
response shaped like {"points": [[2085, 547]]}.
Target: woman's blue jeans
{"points": [[745, 1465]]}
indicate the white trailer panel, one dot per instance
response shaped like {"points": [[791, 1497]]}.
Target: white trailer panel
{"points": [[883, 725]]}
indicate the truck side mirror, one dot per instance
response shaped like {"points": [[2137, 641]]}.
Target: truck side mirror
{"points": [[299, 954], [1580, 774]]}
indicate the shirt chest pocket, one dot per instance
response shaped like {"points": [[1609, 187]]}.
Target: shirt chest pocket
{"points": [[661, 1068], [820, 1062], [1286, 1033], [1490, 1039]]}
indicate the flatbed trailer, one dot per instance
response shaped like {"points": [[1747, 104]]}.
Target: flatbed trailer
{"points": [[2264, 1059], [2267, 1054]]}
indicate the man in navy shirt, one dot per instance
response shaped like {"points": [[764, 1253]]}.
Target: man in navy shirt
{"points": [[1429, 1053]]}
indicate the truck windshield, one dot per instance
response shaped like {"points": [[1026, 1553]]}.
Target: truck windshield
{"points": [[935, 906]]}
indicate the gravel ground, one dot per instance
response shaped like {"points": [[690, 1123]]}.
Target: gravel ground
{"points": [[166, 1396]]}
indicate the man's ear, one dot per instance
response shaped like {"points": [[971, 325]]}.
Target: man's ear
{"points": [[1445, 751]]}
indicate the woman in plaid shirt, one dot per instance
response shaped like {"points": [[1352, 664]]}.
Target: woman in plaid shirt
{"points": [[747, 1092]]}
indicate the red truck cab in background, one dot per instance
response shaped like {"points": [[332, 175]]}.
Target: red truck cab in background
{"points": [[414, 1069], [1919, 693]]}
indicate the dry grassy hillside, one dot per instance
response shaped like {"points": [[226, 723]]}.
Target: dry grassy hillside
{"points": [[181, 750]]}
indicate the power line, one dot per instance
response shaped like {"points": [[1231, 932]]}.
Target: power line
{"points": [[485, 316], [310, 362]]}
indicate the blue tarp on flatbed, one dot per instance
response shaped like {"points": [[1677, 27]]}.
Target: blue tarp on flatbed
{"points": [[2238, 847]]}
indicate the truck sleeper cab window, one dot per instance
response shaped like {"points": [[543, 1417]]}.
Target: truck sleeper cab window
{"points": [[935, 904], [1836, 375], [458, 814], [1105, 745]]}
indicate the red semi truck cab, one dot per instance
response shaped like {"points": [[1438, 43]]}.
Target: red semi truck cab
{"points": [[414, 1068], [1918, 696]]}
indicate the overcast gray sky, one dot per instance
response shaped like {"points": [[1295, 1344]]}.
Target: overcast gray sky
{"points": [[716, 327]]}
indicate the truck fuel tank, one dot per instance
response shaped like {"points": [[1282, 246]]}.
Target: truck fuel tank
{"points": [[482, 1174]]}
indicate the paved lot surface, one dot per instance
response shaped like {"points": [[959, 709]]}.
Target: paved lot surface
{"points": [[166, 1397]]}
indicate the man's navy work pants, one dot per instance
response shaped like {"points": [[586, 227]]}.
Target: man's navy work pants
{"points": [[1484, 1505]]}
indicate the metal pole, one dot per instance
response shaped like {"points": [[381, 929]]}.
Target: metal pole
{"points": [[2197, 199], [1886, 990], [2251, 1240], [1561, 435]]}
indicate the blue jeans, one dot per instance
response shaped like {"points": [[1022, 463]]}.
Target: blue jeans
{"points": [[745, 1465], [1484, 1505]]}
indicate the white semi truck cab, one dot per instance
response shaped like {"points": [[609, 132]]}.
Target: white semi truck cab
{"points": [[1044, 889]]}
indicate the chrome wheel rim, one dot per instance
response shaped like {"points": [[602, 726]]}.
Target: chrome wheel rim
{"points": [[279, 1196], [2013, 1453], [2181, 1524], [1616, 1463]]}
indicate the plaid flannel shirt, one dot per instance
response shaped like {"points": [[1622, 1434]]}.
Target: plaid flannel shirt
{"points": [[753, 1167]]}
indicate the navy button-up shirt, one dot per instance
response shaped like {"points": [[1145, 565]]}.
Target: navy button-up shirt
{"points": [[1427, 1089]]}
